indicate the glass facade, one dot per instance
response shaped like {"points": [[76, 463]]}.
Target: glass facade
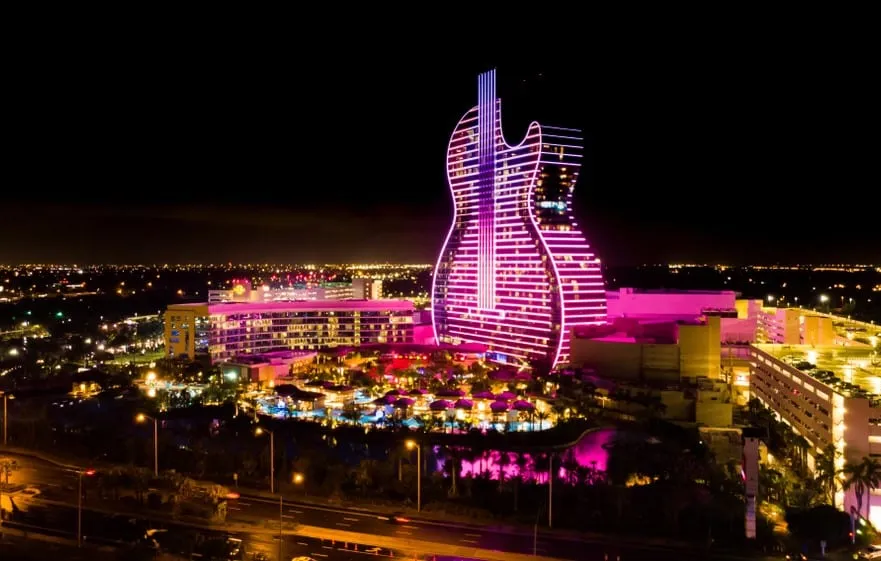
{"points": [[233, 334]]}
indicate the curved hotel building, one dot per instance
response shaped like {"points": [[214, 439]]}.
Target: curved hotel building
{"points": [[515, 273]]}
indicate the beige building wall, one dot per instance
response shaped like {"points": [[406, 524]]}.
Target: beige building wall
{"points": [[180, 329], [700, 349], [818, 330], [747, 309], [621, 360], [781, 326], [714, 413]]}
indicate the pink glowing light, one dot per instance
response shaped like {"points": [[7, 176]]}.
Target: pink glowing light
{"points": [[589, 454], [515, 273]]}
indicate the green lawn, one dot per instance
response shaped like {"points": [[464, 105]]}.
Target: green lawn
{"points": [[138, 357]]}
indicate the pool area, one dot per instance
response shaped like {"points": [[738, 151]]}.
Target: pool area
{"points": [[449, 411]]}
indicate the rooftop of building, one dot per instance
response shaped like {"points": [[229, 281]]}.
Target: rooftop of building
{"points": [[271, 357], [670, 291], [302, 305], [851, 371]]}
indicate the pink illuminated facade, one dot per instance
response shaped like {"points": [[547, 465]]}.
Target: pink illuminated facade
{"points": [[515, 272]]}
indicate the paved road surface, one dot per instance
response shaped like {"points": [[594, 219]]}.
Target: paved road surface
{"points": [[58, 484]]}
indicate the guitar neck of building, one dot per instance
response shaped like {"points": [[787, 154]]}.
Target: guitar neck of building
{"points": [[487, 123]]}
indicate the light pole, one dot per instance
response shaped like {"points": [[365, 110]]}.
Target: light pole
{"points": [[410, 445], [551, 491], [6, 397], [280, 524], [258, 432], [141, 418], [79, 507]]}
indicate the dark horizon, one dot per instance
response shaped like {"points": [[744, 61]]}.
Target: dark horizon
{"points": [[742, 155]]}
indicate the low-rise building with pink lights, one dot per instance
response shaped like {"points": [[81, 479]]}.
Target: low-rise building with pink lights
{"points": [[738, 322]]}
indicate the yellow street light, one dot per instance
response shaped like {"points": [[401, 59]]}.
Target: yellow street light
{"points": [[258, 431], [298, 478], [140, 418], [411, 444], [6, 398]]}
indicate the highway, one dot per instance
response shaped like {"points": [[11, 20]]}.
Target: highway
{"points": [[59, 485], [183, 540]]}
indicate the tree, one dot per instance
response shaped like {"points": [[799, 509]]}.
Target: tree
{"points": [[7, 467], [826, 473], [350, 412], [862, 476]]}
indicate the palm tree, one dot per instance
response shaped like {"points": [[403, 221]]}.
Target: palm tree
{"points": [[521, 460], [453, 463], [826, 473], [350, 412], [773, 485], [504, 461], [541, 417], [799, 452], [862, 476]]}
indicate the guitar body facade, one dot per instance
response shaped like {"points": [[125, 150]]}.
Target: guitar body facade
{"points": [[515, 272]]}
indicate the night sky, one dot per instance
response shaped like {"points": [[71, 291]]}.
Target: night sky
{"points": [[735, 149]]}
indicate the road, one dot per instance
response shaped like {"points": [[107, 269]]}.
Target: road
{"points": [[180, 539], [58, 484]]}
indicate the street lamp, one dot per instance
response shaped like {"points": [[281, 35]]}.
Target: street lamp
{"points": [[550, 490], [6, 396], [410, 445], [280, 525], [141, 418], [258, 431], [79, 506]]}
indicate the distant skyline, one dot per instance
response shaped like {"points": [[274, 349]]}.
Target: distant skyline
{"points": [[724, 153]]}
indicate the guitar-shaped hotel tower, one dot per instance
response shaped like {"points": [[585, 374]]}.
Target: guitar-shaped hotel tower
{"points": [[515, 272]]}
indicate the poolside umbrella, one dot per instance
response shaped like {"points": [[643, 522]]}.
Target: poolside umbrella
{"points": [[440, 405], [521, 405], [404, 402], [506, 396], [498, 406], [483, 395], [463, 404]]}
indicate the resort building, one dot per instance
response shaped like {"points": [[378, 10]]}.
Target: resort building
{"points": [[231, 329]]}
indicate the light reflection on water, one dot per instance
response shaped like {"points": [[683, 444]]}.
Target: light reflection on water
{"points": [[588, 453]]}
